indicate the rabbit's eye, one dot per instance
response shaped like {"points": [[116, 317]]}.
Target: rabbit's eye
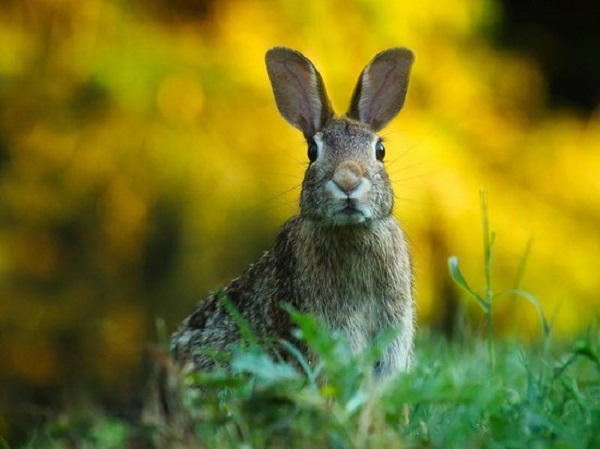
{"points": [[313, 151], [379, 151]]}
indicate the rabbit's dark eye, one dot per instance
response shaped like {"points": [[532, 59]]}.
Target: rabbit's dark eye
{"points": [[379, 151], [313, 151]]}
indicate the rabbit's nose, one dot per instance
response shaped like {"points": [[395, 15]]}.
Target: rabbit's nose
{"points": [[348, 176]]}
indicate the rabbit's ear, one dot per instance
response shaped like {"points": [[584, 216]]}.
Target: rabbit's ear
{"points": [[381, 89], [299, 90]]}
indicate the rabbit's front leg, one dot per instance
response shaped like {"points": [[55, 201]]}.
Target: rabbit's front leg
{"points": [[396, 357]]}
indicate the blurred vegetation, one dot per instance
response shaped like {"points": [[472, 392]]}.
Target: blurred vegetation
{"points": [[143, 162], [541, 396]]}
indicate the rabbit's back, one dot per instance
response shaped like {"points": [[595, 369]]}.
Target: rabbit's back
{"points": [[256, 296]]}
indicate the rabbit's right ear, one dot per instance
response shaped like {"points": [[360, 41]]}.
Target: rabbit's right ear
{"points": [[299, 90], [381, 88]]}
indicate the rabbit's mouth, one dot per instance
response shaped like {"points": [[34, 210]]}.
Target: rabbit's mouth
{"points": [[350, 213], [348, 204]]}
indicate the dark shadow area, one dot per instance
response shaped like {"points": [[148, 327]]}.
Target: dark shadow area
{"points": [[564, 39]]}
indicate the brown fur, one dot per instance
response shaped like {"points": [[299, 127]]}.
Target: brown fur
{"points": [[344, 258]]}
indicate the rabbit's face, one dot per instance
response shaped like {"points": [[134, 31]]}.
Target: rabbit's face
{"points": [[346, 182]]}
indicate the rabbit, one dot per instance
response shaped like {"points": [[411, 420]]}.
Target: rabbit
{"points": [[344, 258]]}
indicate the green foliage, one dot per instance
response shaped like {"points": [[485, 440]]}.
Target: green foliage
{"points": [[487, 299], [82, 430], [531, 397]]}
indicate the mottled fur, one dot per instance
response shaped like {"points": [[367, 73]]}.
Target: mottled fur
{"points": [[344, 258]]}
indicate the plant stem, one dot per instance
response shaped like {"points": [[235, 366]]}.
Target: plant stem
{"points": [[488, 245], [491, 351]]}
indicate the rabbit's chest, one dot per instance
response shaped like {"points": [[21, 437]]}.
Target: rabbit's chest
{"points": [[356, 280], [360, 319], [355, 298]]}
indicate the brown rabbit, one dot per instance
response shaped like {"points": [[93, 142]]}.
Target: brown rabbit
{"points": [[344, 259]]}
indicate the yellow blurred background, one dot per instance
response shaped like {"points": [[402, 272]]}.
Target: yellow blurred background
{"points": [[143, 163]]}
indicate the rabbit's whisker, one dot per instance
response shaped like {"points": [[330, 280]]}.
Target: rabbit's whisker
{"points": [[260, 205]]}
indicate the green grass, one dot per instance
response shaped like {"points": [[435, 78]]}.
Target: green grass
{"points": [[470, 392], [534, 396]]}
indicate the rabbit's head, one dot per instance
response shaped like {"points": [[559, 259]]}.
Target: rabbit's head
{"points": [[345, 182]]}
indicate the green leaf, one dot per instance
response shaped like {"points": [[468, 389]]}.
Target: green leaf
{"points": [[533, 300], [263, 366], [311, 372], [243, 324], [457, 277]]}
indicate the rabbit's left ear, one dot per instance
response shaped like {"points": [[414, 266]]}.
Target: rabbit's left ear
{"points": [[299, 90], [381, 89]]}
